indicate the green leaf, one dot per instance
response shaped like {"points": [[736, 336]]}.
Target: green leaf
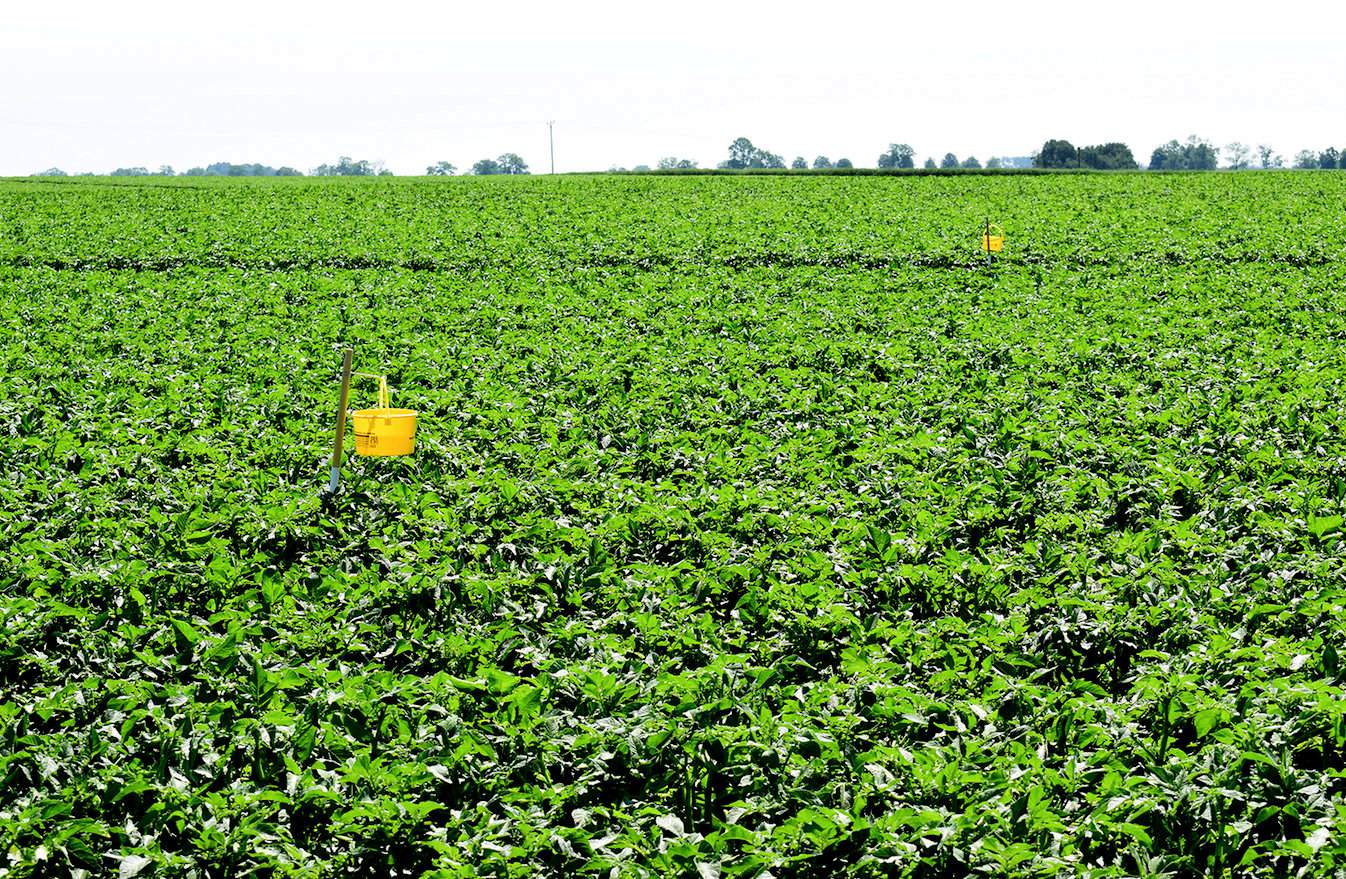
{"points": [[1321, 526], [500, 683], [186, 637], [131, 866], [525, 703], [1135, 831], [1207, 720], [671, 824]]}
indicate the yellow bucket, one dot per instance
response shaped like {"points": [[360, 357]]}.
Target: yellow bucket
{"points": [[384, 431], [993, 243]]}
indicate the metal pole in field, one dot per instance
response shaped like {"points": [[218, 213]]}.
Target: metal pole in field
{"points": [[551, 144], [346, 357], [986, 240]]}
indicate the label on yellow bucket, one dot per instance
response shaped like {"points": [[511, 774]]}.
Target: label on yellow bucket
{"points": [[384, 432]]}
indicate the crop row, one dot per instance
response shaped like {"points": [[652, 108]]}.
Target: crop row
{"points": [[528, 225]]}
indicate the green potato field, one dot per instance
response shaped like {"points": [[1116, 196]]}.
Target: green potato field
{"points": [[756, 527]]}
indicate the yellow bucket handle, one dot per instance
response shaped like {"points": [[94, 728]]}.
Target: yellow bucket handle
{"points": [[384, 397], [994, 229]]}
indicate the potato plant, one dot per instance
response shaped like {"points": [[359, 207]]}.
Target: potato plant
{"points": [[756, 528]]}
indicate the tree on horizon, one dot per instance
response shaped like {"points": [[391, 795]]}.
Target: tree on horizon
{"points": [[898, 155]]}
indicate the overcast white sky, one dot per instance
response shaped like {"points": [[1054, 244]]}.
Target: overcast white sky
{"points": [[89, 86]]}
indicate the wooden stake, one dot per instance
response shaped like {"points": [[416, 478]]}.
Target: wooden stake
{"points": [[346, 357]]}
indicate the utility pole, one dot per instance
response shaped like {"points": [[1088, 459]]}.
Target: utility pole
{"points": [[551, 143]]}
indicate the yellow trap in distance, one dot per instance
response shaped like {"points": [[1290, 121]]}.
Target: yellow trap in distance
{"points": [[993, 240]]}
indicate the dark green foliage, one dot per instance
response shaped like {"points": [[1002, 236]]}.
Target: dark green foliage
{"points": [[1102, 157], [345, 166], [1194, 155], [755, 525], [506, 163], [1057, 154], [898, 155], [743, 154], [511, 163], [245, 169], [1306, 160], [673, 163], [1108, 157]]}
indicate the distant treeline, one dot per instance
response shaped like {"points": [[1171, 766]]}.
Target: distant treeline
{"points": [[217, 168], [849, 172], [1055, 155], [344, 166], [229, 169], [1195, 154]]}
